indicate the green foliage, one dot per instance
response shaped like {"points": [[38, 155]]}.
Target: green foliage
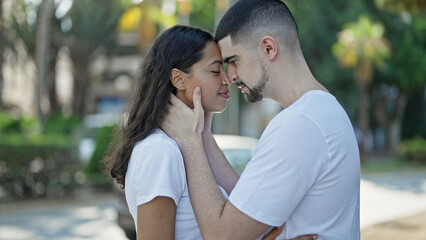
{"points": [[39, 165], [408, 39], [22, 27], [36, 140], [58, 123], [361, 40], [10, 123], [319, 23], [34, 163], [414, 150], [415, 115], [95, 168], [94, 25], [203, 14], [388, 164], [401, 5]]}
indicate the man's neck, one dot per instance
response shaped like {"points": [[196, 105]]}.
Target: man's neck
{"points": [[290, 83]]}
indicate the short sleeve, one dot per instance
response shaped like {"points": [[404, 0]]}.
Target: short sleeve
{"points": [[158, 171], [285, 165]]}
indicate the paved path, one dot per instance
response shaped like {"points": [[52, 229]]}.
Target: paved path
{"points": [[384, 197], [389, 196], [86, 218]]}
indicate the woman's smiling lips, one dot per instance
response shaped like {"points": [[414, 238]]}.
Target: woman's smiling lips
{"points": [[224, 94]]}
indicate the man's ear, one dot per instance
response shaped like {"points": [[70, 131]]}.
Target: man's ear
{"points": [[177, 77], [269, 47]]}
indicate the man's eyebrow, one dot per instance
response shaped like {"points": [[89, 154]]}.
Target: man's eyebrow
{"points": [[229, 58], [216, 61]]}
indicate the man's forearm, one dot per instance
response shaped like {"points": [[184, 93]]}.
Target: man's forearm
{"points": [[216, 217], [206, 198], [223, 172]]}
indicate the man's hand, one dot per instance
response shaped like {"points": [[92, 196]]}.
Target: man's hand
{"points": [[182, 121], [306, 237], [277, 230], [273, 233], [208, 119]]}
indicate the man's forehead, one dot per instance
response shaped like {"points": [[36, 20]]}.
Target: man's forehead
{"points": [[226, 47]]}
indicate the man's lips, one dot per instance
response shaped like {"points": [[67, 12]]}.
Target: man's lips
{"points": [[224, 94], [242, 86]]}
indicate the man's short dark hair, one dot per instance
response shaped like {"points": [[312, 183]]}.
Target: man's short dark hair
{"points": [[249, 20]]}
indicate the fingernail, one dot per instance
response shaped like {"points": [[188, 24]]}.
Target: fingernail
{"points": [[197, 90], [315, 237]]}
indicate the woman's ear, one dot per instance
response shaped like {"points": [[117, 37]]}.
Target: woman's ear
{"points": [[177, 77]]}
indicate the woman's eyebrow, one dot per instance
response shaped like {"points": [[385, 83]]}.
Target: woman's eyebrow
{"points": [[216, 61]]}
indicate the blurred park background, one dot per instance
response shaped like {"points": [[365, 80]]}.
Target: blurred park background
{"points": [[67, 66]]}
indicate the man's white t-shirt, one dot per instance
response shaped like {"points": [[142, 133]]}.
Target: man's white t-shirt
{"points": [[305, 172], [156, 168]]}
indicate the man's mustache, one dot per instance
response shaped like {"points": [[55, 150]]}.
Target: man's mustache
{"points": [[239, 84]]}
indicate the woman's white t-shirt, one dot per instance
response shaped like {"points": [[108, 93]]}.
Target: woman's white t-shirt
{"points": [[156, 168]]}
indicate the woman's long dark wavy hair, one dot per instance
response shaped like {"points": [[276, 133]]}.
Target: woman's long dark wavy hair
{"points": [[178, 47]]}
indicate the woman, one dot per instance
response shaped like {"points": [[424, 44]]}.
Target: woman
{"points": [[149, 164]]}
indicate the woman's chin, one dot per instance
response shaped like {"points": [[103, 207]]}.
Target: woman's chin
{"points": [[215, 109]]}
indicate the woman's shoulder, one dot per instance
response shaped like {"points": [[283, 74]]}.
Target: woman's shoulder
{"points": [[158, 140], [157, 149]]}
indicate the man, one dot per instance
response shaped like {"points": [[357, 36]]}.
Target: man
{"points": [[305, 171]]}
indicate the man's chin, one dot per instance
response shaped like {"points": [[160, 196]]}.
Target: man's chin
{"points": [[252, 99], [249, 99]]}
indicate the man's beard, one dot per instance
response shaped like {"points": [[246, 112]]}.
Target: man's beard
{"points": [[255, 94]]}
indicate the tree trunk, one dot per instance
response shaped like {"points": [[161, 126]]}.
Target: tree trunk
{"points": [[42, 51], [391, 122], [51, 80], [81, 88], [2, 40], [56, 42], [393, 137], [364, 123]]}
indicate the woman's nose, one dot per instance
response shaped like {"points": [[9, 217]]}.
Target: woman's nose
{"points": [[225, 79]]}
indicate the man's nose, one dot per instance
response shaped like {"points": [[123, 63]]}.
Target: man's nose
{"points": [[225, 79], [232, 76]]}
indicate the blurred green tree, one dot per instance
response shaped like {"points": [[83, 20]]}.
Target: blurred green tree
{"points": [[406, 75], [92, 29], [146, 19], [203, 14], [319, 23], [22, 33], [42, 47], [360, 46], [1, 52], [397, 6], [399, 91]]}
